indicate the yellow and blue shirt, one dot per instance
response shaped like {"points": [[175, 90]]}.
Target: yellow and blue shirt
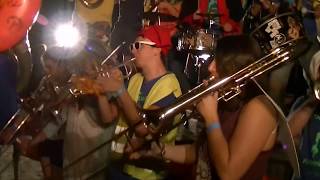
{"points": [[163, 88]]}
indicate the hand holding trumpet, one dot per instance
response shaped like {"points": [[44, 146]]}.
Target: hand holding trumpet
{"points": [[110, 82]]}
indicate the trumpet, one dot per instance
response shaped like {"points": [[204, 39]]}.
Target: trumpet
{"points": [[122, 65], [82, 85], [127, 65]]}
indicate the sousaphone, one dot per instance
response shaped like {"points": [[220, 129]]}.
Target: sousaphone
{"points": [[91, 4]]}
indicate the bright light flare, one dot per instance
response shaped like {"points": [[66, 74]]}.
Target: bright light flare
{"points": [[66, 35], [205, 56]]}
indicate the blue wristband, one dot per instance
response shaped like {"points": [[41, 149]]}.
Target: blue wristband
{"points": [[212, 126]]}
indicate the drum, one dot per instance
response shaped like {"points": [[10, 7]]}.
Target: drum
{"points": [[279, 30], [199, 40], [196, 67]]}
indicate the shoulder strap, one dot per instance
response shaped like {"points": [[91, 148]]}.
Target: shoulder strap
{"points": [[134, 86], [166, 85], [285, 135]]}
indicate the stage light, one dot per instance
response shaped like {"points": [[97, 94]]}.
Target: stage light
{"points": [[66, 35]]}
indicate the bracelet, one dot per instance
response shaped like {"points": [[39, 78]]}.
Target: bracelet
{"points": [[212, 126], [120, 91], [108, 95], [115, 94]]}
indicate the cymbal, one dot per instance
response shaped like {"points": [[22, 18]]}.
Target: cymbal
{"points": [[163, 17]]}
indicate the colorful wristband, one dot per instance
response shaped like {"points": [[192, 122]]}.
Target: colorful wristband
{"points": [[212, 126]]}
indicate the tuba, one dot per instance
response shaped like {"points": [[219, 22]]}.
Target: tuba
{"points": [[91, 4]]}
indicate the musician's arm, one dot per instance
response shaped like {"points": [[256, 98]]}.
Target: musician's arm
{"points": [[42, 136], [50, 130], [25, 143], [108, 110], [114, 85], [47, 132], [131, 111], [299, 118], [183, 154], [171, 9], [255, 127]]}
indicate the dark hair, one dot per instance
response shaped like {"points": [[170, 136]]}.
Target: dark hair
{"points": [[234, 53]]}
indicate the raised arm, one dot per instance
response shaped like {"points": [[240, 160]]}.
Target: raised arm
{"points": [[114, 85], [300, 117], [108, 110], [252, 135], [171, 9]]}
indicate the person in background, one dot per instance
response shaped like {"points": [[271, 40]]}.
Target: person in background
{"points": [[310, 13], [262, 11], [79, 126], [225, 14], [304, 125], [47, 141], [102, 13], [98, 19], [89, 122], [163, 9]]}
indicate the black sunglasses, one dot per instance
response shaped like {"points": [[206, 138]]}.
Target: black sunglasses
{"points": [[137, 44]]}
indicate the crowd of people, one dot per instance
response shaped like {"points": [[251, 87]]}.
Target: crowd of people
{"points": [[85, 119]]}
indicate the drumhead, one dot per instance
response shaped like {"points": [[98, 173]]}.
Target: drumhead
{"points": [[278, 30]]}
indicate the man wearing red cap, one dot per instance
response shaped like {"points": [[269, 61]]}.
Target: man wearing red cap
{"points": [[160, 36], [153, 87]]}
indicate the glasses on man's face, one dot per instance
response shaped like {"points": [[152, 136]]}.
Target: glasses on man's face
{"points": [[138, 44]]}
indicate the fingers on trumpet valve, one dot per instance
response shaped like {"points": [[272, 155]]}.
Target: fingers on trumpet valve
{"points": [[111, 71], [110, 83]]}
